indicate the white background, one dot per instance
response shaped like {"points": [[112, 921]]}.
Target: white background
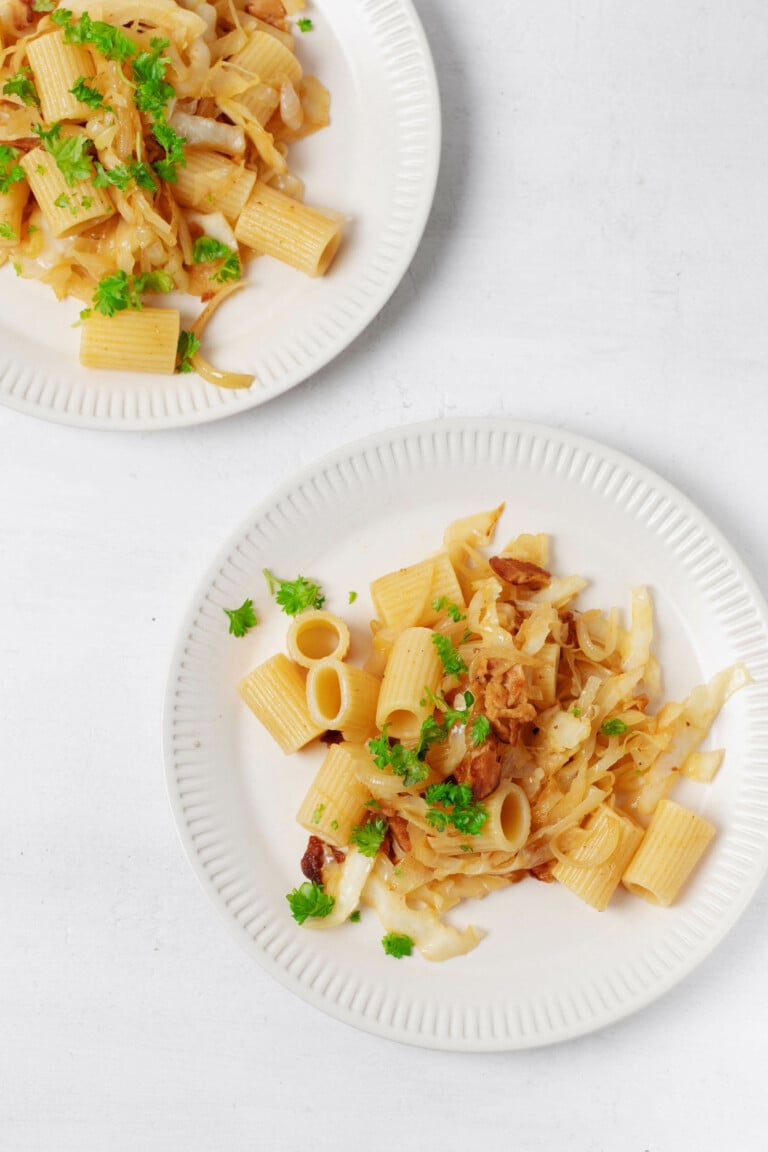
{"points": [[596, 259]]}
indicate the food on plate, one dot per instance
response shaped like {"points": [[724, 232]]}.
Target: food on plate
{"points": [[496, 732], [143, 149]]}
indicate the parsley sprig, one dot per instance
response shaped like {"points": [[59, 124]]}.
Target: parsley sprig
{"points": [[6, 232], [187, 346], [152, 89], [241, 619], [109, 41], [437, 731], [397, 944], [173, 146], [121, 175], [206, 249], [22, 85], [443, 604], [613, 727], [10, 171], [309, 899], [294, 596], [71, 153], [400, 761], [451, 659], [119, 291], [457, 807], [370, 836]]}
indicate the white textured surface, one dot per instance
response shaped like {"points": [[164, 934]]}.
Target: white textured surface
{"points": [[596, 260], [378, 506]]}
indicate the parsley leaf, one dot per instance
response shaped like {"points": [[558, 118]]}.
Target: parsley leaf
{"points": [[436, 732], [613, 727], [206, 249], [118, 291], [352, 597], [480, 729], [457, 807], [241, 619], [152, 89], [85, 94], [44, 5], [10, 172], [22, 85], [157, 281], [355, 916], [450, 658], [6, 232], [309, 900], [121, 175], [110, 42], [294, 596], [397, 945], [71, 153], [187, 346], [173, 146], [304, 24], [443, 604], [401, 761], [369, 837]]}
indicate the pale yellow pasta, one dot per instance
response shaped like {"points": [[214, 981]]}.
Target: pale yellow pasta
{"points": [[269, 60], [317, 635], [336, 799], [601, 858], [343, 698], [144, 341], [260, 100], [672, 847], [11, 212], [275, 691], [212, 183], [413, 672], [67, 208], [56, 67], [279, 226], [404, 598], [508, 823]]}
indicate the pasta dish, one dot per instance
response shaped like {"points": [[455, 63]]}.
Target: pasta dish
{"points": [[143, 149], [497, 733]]}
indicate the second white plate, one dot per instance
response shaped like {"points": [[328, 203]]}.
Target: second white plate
{"points": [[377, 163], [550, 967]]}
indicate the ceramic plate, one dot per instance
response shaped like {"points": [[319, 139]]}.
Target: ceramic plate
{"points": [[377, 163], [549, 967]]}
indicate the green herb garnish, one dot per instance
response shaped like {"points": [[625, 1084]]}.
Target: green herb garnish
{"points": [[613, 727], [206, 249], [109, 42], [450, 658], [355, 916], [443, 604], [23, 86], [400, 761], [457, 807], [369, 837], [6, 232], [152, 89], [309, 899], [187, 346], [71, 153], [10, 171], [83, 92], [397, 945], [352, 597], [304, 24], [294, 596], [173, 146], [242, 619]]}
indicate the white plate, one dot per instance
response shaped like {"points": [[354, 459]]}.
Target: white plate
{"points": [[550, 967], [377, 163]]}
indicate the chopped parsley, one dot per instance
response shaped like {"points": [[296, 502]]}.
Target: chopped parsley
{"points": [[83, 92], [613, 727], [397, 945], [71, 153], [480, 729], [22, 85], [369, 837], [241, 620], [457, 807], [437, 732], [443, 604], [206, 249], [121, 175], [173, 146], [63, 201], [401, 761], [294, 596], [355, 916], [110, 42], [6, 232], [575, 711], [119, 291], [10, 171], [335, 825], [152, 89], [187, 346], [309, 899], [44, 5], [317, 814], [450, 658], [304, 24], [352, 597]]}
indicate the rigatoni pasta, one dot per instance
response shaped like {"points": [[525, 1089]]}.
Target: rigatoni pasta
{"points": [[511, 735]]}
